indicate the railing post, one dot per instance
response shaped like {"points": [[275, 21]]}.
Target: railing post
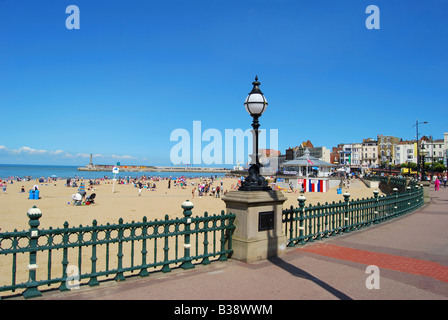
{"points": [[31, 287], [291, 225], [166, 267], [120, 273], [223, 256], [301, 200], [346, 218], [94, 279], [187, 206], [396, 201], [408, 197], [375, 195], [420, 197], [63, 287], [144, 271], [206, 260]]}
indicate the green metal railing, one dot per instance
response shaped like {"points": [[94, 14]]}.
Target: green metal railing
{"points": [[72, 254], [306, 224]]}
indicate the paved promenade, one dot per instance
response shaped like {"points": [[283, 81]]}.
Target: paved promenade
{"points": [[410, 253]]}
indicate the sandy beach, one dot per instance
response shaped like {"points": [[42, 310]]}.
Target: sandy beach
{"points": [[56, 202]]}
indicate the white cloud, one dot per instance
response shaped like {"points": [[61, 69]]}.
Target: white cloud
{"points": [[114, 156], [58, 152], [82, 155], [28, 150]]}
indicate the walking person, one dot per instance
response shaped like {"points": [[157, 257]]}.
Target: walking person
{"points": [[437, 184], [217, 192], [444, 181]]}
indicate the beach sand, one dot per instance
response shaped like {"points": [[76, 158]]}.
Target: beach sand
{"points": [[127, 204]]}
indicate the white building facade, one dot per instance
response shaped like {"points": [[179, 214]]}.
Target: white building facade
{"points": [[445, 141], [369, 153], [436, 150], [405, 152]]}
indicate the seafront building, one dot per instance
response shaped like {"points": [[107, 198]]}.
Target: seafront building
{"points": [[386, 150], [345, 153], [405, 152], [445, 144], [306, 173], [369, 153], [307, 165], [436, 149]]}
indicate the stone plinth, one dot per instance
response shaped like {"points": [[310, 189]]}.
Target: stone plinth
{"points": [[258, 234]]}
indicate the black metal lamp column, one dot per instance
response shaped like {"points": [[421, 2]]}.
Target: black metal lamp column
{"points": [[416, 139], [423, 153], [255, 104]]}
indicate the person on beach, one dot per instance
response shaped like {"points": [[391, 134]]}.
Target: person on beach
{"points": [[218, 189], [139, 188], [4, 187], [193, 191], [437, 184]]}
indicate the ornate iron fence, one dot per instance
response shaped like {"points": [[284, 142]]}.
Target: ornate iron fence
{"points": [[305, 224], [99, 251]]}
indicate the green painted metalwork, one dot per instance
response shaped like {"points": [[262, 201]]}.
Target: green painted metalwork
{"points": [[306, 224], [100, 251]]}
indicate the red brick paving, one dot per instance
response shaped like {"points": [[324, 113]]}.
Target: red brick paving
{"points": [[387, 261]]}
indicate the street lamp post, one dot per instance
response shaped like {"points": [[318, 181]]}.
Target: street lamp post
{"points": [[255, 104], [423, 153], [416, 139]]}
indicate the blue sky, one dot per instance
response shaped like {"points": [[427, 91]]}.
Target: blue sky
{"points": [[137, 70]]}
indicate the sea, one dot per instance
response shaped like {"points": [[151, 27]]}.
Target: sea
{"points": [[14, 171]]}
